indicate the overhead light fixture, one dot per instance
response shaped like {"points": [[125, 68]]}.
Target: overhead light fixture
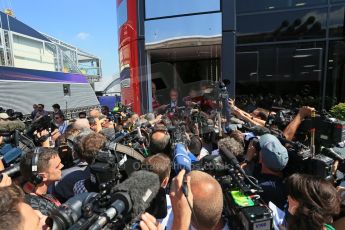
{"points": [[301, 55], [330, 60], [271, 7], [300, 4], [316, 70], [253, 74], [269, 75], [309, 66]]}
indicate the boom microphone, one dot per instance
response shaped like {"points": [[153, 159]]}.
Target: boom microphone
{"points": [[11, 126], [133, 196], [228, 155]]}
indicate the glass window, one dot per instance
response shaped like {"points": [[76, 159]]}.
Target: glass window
{"points": [[336, 21], [290, 71], [162, 8], [122, 13], [255, 5], [185, 31], [335, 83], [247, 66], [304, 24], [335, 1]]}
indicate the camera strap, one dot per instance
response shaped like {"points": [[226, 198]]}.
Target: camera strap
{"points": [[128, 151]]}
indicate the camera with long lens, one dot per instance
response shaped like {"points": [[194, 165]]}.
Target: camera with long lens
{"points": [[136, 139], [119, 110], [178, 134], [281, 119], [116, 206], [219, 92]]}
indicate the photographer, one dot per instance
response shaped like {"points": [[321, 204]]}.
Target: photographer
{"points": [[60, 122], [161, 165], [91, 145], [40, 112], [273, 158], [290, 130], [244, 115], [63, 189], [312, 203], [40, 168]]}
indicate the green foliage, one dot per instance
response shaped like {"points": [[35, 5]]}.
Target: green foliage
{"points": [[338, 111]]}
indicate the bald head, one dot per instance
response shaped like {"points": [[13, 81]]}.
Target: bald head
{"points": [[82, 123], [207, 200], [160, 143], [94, 113]]}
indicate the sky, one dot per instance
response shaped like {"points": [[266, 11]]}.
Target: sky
{"points": [[87, 24]]}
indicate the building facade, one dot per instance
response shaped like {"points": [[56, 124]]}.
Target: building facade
{"points": [[291, 50]]}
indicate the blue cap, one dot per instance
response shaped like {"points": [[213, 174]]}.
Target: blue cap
{"points": [[274, 154]]}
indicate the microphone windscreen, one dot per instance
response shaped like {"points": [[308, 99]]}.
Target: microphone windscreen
{"points": [[10, 126], [181, 159], [142, 187], [229, 156]]}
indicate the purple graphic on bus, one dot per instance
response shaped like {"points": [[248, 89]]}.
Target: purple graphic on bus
{"points": [[19, 74]]}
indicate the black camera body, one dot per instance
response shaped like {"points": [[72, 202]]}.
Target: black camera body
{"points": [[10, 137], [178, 134], [281, 119], [249, 215], [328, 131], [219, 92], [301, 160]]}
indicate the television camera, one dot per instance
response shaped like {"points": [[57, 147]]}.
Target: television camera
{"points": [[116, 206], [243, 208]]}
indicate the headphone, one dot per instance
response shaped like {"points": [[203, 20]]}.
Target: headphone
{"points": [[36, 179]]}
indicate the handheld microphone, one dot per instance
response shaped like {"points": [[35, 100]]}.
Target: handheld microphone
{"points": [[133, 196], [181, 159], [11, 171]]}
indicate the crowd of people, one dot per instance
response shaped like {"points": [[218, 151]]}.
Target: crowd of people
{"points": [[60, 165]]}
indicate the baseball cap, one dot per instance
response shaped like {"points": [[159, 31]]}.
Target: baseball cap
{"points": [[274, 154]]}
